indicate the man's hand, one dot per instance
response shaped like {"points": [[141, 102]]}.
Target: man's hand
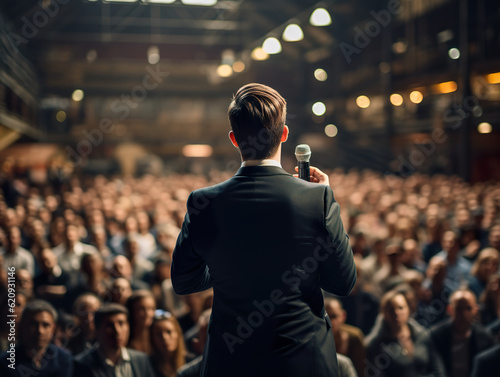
{"points": [[316, 176]]}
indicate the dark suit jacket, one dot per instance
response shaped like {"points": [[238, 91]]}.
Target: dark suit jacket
{"points": [[267, 242], [90, 364], [56, 362], [487, 363], [441, 334]]}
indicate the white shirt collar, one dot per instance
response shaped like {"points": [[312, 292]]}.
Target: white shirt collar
{"points": [[264, 162]]}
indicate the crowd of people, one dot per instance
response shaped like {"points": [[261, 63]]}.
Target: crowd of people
{"points": [[91, 260]]}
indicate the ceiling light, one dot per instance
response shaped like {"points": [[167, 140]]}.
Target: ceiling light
{"points": [[239, 66], [153, 55], [319, 108], [363, 102], [224, 70], [272, 46], [454, 53], [445, 87], [396, 99], [320, 74], [320, 17], [331, 130], [77, 95], [484, 128], [205, 3], [416, 96], [258, 53], [159, 1], [493, 78], [293, 33], [61, 116]]}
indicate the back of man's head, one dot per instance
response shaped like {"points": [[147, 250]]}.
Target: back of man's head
{"points": [[257, 115]]}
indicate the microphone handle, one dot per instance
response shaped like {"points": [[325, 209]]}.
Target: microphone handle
{"points": [[304, 170]]}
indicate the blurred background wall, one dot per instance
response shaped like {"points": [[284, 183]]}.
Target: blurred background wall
{"points": [[143, 86]]}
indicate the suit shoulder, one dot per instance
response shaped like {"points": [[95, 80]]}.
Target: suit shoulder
{"points": [[137, 355]]}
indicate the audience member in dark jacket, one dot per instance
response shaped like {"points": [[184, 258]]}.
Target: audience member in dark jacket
{"points": [[487, 363], [35, 355], [110, 357], [458, 340]]}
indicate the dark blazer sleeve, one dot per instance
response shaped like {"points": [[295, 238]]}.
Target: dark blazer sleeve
{"points": [[337, 271], [189, 271]]}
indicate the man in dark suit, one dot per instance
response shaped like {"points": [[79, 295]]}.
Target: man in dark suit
{"points": [[110, 357], [267, 243], [458, 340], [487, 363], [35, 354]]}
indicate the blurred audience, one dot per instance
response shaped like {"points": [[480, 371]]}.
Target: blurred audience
{"points": [[100, 240]]}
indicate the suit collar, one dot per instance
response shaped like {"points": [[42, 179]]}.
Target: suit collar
{"points": [[260, 171]]}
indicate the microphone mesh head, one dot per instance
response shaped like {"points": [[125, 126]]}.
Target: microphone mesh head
{"points": [[303, 152]]}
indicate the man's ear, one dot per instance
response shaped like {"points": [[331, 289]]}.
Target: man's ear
{"points": [[233, 139], [284, 136]]}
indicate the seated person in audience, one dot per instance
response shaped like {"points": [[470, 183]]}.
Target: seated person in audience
{"points": [[84, 335], [24, 282], [14, 255], [193, 368], [434, 295], [494, 235], [432, 245], [373, 262], [167, 343], [487, 363], [94, 279], [361, 306], [405, 345], [141, 306], [484, 266], [99, 241], [163, 290], [392, 271], [457, 267], [458, 340], [490, 301], [70, 253], [411, 256], [52, 281], [145, 239], [141, 266], [348, 339], [121, 268], [35, 354], [110, 357], [120, 291]]}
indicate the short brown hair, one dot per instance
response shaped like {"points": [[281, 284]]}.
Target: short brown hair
{"points": [[257, 115]]}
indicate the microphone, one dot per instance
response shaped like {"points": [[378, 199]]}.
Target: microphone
{"points": [[303, 154]]}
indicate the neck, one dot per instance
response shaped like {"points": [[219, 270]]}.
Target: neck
{"points": [[275, 157]]}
